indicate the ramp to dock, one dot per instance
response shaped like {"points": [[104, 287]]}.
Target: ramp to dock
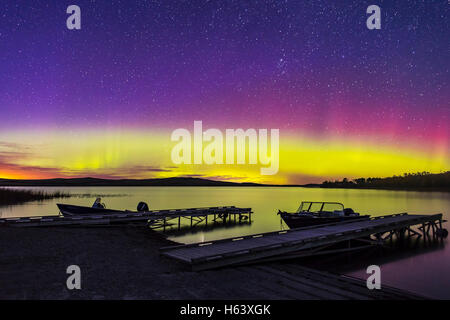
{"points": [[304, 241], [291, 281]]}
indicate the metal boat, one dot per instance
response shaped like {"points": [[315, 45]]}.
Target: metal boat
{"points": [[97, 208], [312, 213], [72, 210]]}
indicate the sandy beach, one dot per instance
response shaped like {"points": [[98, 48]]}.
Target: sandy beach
{"points": [[115, 263]]}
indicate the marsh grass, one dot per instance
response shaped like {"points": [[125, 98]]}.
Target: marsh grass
{"points": [[16, 196]]}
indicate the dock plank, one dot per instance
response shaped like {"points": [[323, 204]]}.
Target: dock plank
{"points": [[324, 289], [348, 283]]}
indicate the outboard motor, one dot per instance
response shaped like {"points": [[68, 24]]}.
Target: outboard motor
{"points": [[349, 212], [142, 206]]}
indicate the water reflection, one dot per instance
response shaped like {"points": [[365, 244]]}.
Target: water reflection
{"points": [[421, 268]]}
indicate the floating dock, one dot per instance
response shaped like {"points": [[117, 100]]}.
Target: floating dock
{"points": [[155, 218], [301, 242], [291, 281]]}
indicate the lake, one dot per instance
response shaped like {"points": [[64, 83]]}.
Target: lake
{"points": [[422, 269]]}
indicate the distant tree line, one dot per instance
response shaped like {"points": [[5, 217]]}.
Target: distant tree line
{"points": [[414, 181]]}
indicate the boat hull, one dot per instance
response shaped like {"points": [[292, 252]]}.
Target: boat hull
{"points": [[72, 210], [294, 220]]}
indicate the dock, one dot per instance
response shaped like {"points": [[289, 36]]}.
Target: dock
{"points": [[154, 218], [288, 281], [303, 242]]}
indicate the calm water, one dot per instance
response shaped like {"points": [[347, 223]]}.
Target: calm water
{"points": [[423, 270]]}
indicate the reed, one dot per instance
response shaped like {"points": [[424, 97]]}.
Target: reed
{"points": [[18, 196]]}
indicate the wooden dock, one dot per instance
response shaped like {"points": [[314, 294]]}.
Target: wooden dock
{"points": [[288, 281], [301, 242], [155, 218]]}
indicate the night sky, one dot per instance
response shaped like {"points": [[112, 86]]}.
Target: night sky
{"points": [[102, 101]]}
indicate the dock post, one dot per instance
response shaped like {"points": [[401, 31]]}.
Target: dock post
{"points": [[164, 226], [206, 218], [378, 237], [179, 222], [402, 233], [191, 221]]}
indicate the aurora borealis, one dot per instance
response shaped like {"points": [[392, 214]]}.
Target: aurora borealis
{"points": [[102, 101]]}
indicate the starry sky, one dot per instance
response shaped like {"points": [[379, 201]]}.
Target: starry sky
{"points": [[102, 101]]}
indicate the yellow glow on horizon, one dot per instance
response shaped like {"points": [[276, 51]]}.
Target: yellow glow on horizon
{"points": [[355, 159], [147, 154]]}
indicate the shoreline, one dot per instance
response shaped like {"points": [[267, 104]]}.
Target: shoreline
{"points": [[124, 263], [11, 197], [446, 190], [420, 182]]}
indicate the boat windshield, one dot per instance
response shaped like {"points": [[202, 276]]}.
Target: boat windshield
{"points": [[308, 206]]}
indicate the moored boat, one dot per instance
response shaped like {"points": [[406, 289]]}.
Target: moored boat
{"points": [[72, 210], [316, 213], [96, 208]]}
